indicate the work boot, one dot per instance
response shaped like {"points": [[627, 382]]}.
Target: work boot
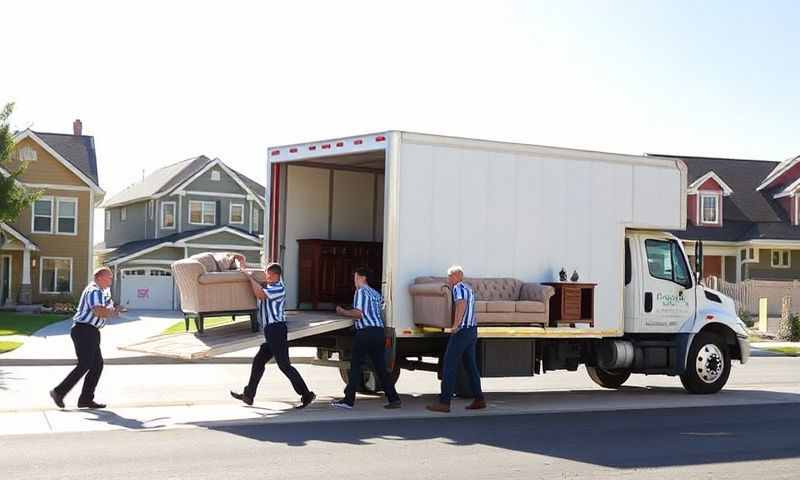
{"points": [[306, 400], [91, 405], [439, 407], [58, 399], [242, 397], [477, 404], [393, 405]]}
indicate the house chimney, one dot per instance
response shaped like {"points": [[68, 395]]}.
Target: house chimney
{"points": [[77, 127]]}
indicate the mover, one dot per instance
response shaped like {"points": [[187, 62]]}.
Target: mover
{"points": [[409, 205]]}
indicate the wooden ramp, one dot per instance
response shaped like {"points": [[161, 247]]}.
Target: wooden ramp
{"points": [[235, 336]]}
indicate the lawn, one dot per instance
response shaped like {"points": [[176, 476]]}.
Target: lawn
{"points": [[8, 346], [788, 351], [208, 322], [12, 323]]}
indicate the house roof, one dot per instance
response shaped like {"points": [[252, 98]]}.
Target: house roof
{"points": [[747, 214], [132, 248], [76, 149], [167, 178]]}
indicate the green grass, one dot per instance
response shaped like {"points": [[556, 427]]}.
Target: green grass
{"points": [[9, 346], [12, 323], [788, 351], [208, 322]]}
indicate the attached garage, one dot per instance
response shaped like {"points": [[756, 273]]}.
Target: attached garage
{"points": [[147, 288]]}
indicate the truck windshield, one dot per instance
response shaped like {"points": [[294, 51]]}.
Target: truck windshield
{"points": [[665, 261]]}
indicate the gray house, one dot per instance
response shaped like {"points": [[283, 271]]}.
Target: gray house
{"points": [[196, 205]]}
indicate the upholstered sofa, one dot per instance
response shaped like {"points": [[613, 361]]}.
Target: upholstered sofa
{"points": [[498, 301], [209, 288]]}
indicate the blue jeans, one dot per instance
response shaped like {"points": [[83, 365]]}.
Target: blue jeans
{"points": [[461, 349]]}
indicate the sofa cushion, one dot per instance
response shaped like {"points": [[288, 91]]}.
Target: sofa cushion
{"points": [[500, 306], [529, 307], [208, 261], [490, 289], [480, 306]]}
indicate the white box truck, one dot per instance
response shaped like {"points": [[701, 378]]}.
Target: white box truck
{"points": [[510, 210]]}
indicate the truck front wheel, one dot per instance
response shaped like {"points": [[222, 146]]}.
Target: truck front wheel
{"points": [[608, 378], [708, 365]]}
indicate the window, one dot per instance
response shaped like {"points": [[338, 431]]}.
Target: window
{"points": [[168, 215], [748, 255], [215, 175], [237, 213], [665, 261], [123, 214], [781, 259], [135, 273], [55, 275], [67, 216], [160, 273], [27, 154], [202, 213], [709, 208], [43, 215], [108, 219]]}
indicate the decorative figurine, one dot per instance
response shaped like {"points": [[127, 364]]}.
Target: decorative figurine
{"points": [[574, 276], [562, 275]]}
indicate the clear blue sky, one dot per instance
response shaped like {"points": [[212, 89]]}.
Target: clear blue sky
{"points": [[157, 82]]}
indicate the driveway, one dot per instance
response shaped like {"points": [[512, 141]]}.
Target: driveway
{"points": [[54, 343]]}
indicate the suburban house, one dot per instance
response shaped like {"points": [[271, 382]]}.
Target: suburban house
{"points": [[746, 213], [196, 205], [48, 253]]}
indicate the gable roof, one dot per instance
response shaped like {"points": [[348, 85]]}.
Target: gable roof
{"points": [[76, 152], [695, 185], [748, 214], [779, 170], [139, 247], [166, 179]]}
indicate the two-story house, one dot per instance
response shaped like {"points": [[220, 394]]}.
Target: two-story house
{"points": [[48, 252], [196, 205], [746, 214]]}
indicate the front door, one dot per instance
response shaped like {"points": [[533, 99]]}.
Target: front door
{"points": [[668, 299], [5, 279]]}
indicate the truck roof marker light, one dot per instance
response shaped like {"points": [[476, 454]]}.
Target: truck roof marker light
{"points": [[276, 152], [380, 138], [312, 147], [340, 144], [292, 150], [326, 146]]}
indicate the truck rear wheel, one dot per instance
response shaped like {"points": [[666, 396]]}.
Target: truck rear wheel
{"points": [[608, 378], [370, 385], [708, 365]]}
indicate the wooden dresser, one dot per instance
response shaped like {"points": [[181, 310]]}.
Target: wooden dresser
{"points": [[326, 270]]}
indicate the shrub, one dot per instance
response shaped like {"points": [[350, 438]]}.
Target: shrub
{"points": [[747, 317], [789, 329]]}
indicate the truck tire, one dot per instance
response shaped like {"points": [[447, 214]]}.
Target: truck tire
{"points": [[370, 385], [608, 378], [708, 365]]}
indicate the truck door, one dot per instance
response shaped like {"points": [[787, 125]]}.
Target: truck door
{"points": [[668, 297]]}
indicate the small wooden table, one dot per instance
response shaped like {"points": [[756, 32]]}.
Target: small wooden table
{"points": [[573, 303]]}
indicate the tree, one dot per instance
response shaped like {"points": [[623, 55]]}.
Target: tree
{"points": [[14, 197]]}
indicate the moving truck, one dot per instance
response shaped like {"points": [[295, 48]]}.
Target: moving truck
{"points": [[509, 210]]}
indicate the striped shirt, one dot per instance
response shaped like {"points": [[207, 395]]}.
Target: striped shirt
{"points": [[462, 291], [370, 302], [92, 296], [270, 310]]}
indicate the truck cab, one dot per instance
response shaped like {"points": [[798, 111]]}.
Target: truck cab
{"points": [[674, 324]]}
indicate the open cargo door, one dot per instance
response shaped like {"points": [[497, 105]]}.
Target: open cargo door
{"points": [[235, 336]]}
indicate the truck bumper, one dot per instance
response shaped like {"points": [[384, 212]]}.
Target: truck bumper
{"points": [[744, 348]]}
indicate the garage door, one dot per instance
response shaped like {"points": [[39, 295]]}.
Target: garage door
{"points": [[147, 288]]}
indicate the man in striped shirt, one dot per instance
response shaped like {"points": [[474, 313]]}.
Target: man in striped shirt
{"points": [[461, 345], [94, 308], [270, 300], [369, 341]]}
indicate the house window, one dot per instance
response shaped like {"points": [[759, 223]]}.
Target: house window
{"points": [[56, 275], [781, 259], [202, 213], [27, 154], [168, 215], [215, 175], [43, 215], [67, 216], [160, 273], [237, 213], [108, 219], [748, 255], [123, 214], [709, 209]]}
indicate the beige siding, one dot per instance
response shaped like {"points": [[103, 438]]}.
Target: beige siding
{"points": [[46, 169]]}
